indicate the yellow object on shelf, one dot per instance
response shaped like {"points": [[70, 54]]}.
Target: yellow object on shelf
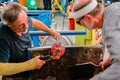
{"points": [[88, 39]]}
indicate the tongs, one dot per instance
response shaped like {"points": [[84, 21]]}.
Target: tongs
{"points": [[46, 57]]}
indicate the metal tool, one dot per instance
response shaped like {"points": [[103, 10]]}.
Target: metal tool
{"points": [[46, 57]]}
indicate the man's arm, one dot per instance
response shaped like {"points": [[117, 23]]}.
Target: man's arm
{"points": [[40, 26], [13, 68]]}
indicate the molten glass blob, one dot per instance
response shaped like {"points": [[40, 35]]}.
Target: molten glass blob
{"points": [[57, 50]]}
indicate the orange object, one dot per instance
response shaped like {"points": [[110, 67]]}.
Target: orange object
{"points": [[41, 37], [38, 2], [57, 50], [22, 2]]}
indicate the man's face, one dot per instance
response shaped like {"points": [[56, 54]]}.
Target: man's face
{"points": [[91, 22], [21, 24], [88, 25]]}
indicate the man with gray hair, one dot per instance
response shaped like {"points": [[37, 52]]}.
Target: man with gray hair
{"points": [[15, 39], [92, 14]]}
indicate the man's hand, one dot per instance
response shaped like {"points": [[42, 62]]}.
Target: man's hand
{"points": [[105, 63], [39, 63], [56, 35]]}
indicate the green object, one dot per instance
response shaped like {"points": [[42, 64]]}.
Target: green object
{"points": [[31, 4]]}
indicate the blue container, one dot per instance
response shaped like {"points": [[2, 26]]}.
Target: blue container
{"points": [[44, 16]]}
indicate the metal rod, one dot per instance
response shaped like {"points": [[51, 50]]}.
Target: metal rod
{"points": [[41, 33]]}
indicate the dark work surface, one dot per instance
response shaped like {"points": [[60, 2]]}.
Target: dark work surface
{"points": [[75, 64]]}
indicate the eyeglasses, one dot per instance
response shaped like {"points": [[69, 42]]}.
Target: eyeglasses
{"points": [[78, 20], [21, 26]]}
